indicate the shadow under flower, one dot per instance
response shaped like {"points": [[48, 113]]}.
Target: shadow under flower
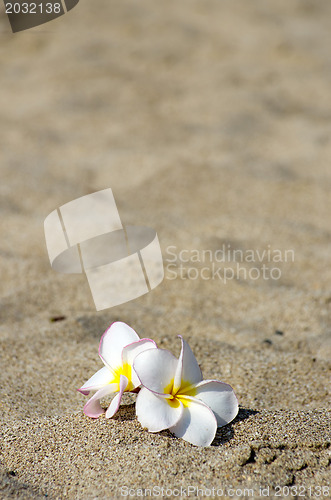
{"points": [[224, 434], [125, 413]]}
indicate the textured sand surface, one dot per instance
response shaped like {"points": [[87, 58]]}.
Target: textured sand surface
{"points": [[211, 122]]}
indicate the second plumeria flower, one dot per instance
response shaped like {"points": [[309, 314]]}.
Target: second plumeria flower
{"points": [[118, 347], [175, 397]]}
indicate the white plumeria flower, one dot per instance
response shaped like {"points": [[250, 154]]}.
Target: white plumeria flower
{"points": [[118, 347], [175, 397]]}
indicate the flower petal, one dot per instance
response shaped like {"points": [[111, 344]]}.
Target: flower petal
{"points": [[188, 371], [156, 412], [156, 369], [197, 425], [131, 351], [101, 378], [93, 408], [114, 405], [112, 342], [219, 397]]}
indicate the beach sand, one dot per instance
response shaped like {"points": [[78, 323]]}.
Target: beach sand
{"points": [[211, 122]]}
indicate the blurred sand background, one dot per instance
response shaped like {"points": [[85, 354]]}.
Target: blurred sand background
{"points": [[211, 122]]}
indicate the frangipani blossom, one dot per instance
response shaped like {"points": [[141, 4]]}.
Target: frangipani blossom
{"points": [[175, 397], [118, 347]]}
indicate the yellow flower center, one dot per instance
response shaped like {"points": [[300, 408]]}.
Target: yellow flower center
{"points": [[125, 370], [180, 395]]}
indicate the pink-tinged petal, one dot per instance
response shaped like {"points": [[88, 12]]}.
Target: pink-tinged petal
{"points": [[156, 369], [93, 408], [114, 405], [131, 351], [112, 342], [156, 412], [101, 378], [188, 371], [197, 425], [82, 391], [219, 397]]}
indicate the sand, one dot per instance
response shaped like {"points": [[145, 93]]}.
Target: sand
{"points": [[211, 122]]}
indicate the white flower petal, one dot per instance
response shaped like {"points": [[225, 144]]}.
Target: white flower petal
{"points": [[188, 371], [156, 369], [114, 405], [93, 408], [156, 412], [131, 351], [101, 378], [219, 397], [113, 341], [197, 425]]}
